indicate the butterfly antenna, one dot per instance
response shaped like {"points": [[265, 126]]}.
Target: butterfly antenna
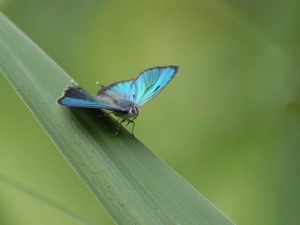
{"points": [[72, 81], [99, 84]]}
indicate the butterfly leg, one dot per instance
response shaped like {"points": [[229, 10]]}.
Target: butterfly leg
{"points": [[106, 113], [133, 124], [119, 127]]}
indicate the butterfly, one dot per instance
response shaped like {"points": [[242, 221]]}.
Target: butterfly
{"points": [[123, 98]]}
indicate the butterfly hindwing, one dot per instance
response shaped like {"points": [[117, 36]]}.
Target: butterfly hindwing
{"points": [[117, 94], [77, 97], [150, 82]]}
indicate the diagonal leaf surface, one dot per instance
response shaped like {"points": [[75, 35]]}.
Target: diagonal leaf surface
{"points": [[132, 184]]}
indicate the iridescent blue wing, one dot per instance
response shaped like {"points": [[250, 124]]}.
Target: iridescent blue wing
{"points": [[150, 82], [77, 97], [117, 94]]}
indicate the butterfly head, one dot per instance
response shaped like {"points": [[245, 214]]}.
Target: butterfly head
{"points": [[133, 111]]}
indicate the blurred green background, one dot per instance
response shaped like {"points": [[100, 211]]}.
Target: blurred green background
{"points": [[229, 123]]}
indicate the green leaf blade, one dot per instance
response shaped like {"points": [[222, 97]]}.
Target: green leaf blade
{"points": [[132, 184]]}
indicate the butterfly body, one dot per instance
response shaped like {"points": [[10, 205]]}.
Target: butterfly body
{"points": [[123, 98]]}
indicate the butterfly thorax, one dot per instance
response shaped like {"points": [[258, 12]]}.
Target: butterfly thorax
{"points": [[132, 112]]}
